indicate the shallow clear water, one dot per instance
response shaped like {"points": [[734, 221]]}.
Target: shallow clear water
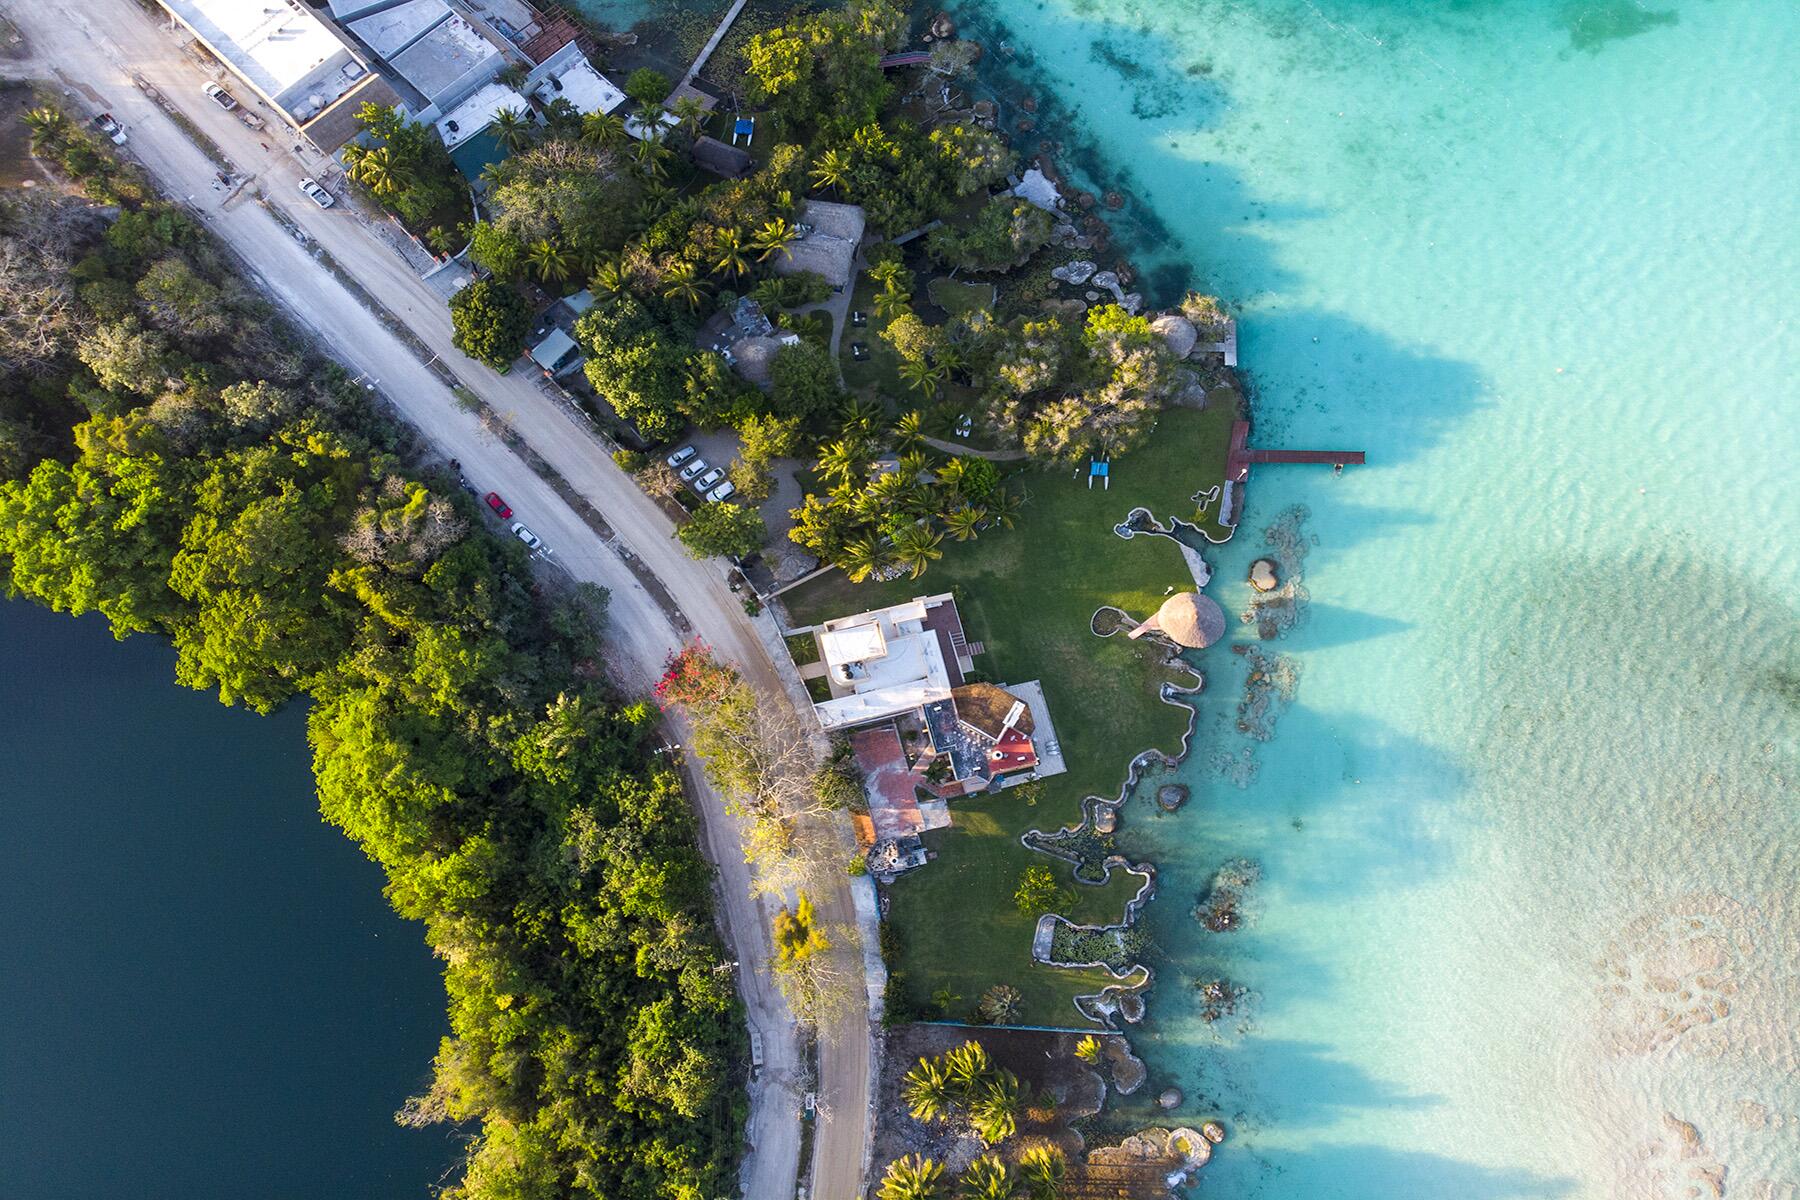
{"points": [[1528, 825]]}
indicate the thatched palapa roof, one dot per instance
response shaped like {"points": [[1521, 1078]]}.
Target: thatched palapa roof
{"points": [[1188, 619]]}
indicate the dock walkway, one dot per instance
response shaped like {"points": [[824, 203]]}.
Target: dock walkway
{"points": [[1242, 456], [712, 43]]}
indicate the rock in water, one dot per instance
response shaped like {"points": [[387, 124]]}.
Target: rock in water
{"points": [[1262, 575], [1170, 1099], [1213, 1132], [1171, 796]]}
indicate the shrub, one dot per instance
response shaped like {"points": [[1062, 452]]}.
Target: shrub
{"points": [[490, 321]]}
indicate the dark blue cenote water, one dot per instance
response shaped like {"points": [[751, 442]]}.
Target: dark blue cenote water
{"points": [[202, 991]]}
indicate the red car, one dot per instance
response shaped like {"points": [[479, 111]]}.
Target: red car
{"points": [[498, 505]]}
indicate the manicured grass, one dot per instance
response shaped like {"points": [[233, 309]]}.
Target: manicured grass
{"points": [[877, 376], [1028, 594], [957, 297]]}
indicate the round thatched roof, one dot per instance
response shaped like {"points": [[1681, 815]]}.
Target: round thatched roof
{"points": [[755, 357], [1191, 619]]}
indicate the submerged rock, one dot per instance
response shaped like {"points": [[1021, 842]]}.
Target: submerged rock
{"points": [[1171, 796], [1171, 1098]]}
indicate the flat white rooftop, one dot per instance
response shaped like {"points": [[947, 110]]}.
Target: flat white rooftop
{"points": [[477, 113], [585, 88], [277, 46], [444, 57], [392, 30], [881, 663]]}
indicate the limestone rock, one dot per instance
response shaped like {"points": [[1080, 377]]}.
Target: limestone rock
{"points": [[1262, 575], [1077, 272], [1132, 302], [1213, 1132], [1108, 280], [1178, 332], [1171, 796], [1171, 1098], [1106, 819]]}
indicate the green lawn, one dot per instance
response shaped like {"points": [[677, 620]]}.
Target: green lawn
{"points": [[957, 297], [877, 376], [1028, 594]]}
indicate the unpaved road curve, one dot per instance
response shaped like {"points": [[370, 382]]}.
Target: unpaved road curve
{"points": [[83, 42]]}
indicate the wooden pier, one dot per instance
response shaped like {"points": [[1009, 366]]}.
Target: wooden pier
{"points": [[1242, 456], [712, 43]]}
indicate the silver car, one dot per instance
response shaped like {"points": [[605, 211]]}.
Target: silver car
{"points": [[219, 96], [694, 469], [318, 195], [724, 491], [525, 535], [707, 480], [680, 456]]}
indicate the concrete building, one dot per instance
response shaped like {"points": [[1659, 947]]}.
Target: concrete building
{"points": [[290, 59], [568, 75]]}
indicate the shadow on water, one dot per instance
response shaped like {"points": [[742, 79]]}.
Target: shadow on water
{"points": [[1332, 625], [1348, 1171]]}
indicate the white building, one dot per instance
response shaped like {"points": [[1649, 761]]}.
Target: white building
{"points": [[886, 662]]}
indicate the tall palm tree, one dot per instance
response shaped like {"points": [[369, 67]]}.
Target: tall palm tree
{"points": [[609, 282], [891, 492], [889, 305], [514, 128], [920, 376], [864, 416], [863, 558], [1043, 1168], [927, 1091], [550, 261], [912, 1178], [604, 130], [950, 475], [734, 258], [49, 128], [913, 464], [909, 430], [378, 170], [652, 158], [844, 460], [682, 282], [965, 522], [691, 113], [1006, 507], [917, 546], [987, 1178], [774, 236], [888, 273], [831, 171]]}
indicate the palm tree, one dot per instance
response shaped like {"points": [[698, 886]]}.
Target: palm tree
{"points": [[988, 1179], [995, 1112], [891, 492], [1006, 507], [832, 170], [513, 128], [1043, 1168], [691, 113], [49, 129], [912, 1178], [927, 1091], [1088, 1049], [383, 174], [968, 1065], [888, 273], [909, 430], [652, 158], [775, 235], [609, 282], [919, 375], [917, 546], [950, 475], [844, 460], [949, 357], [549, 260], [913, 464], [604, 130], [965, 522], [733, 259], [889, 305], [864, 416], [863, 558], [683, 283]]}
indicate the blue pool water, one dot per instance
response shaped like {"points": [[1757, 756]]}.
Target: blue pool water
{"points": [[1527, 822]]}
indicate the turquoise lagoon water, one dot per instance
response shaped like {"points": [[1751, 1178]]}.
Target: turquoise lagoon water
{"points": [[1527, 824]]}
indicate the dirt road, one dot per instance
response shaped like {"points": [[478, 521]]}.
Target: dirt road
{"points": [[85, 43]]}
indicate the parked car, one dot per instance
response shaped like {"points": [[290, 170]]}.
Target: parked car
{"points": [[219, 96], [709, 479], [965, 425], [724, 491], [680, 456], [498, 505], [105, 123], [529, 538], [317, 194], [694, 469]]}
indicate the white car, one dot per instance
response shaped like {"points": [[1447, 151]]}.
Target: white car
{"points": [[707, 480], [525, 535], [105, 124], [694, 469], [723, 492], [680, 456], [219, 96], [318, 195]]}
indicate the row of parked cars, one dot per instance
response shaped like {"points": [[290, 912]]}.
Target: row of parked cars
{"points": [[700, 475]]}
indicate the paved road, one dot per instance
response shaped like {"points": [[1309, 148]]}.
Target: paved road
{"points": [[84, 43]]}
